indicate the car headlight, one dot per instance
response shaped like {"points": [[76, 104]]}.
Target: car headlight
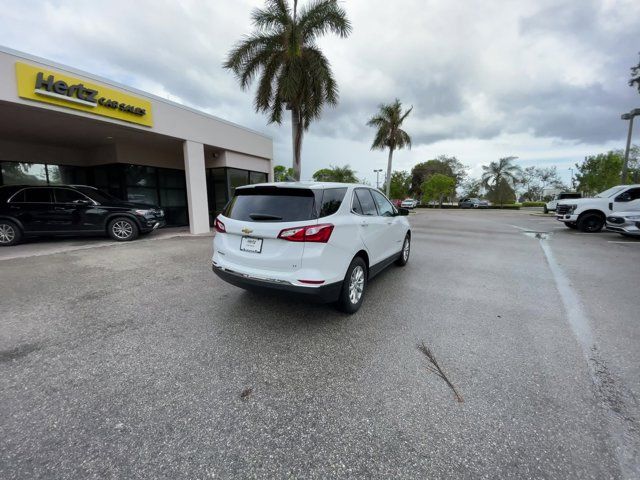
{"points": [[144, 213], [572, 208]]}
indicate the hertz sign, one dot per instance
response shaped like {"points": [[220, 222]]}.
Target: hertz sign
{"points": [[47, 86]]}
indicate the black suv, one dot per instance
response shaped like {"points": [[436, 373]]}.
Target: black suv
{"points": [[27, 210]]}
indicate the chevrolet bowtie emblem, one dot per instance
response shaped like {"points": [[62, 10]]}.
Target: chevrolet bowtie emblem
{"points": [[246, 230]]}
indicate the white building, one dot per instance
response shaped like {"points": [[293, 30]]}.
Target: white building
{"points": [[61, 125]]}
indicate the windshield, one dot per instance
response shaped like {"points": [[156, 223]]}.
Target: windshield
{"points": [[269, 204], [98, 196], [610, 192]]}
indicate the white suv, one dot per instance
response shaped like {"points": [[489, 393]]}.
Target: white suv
{"points": [[323, 240]]}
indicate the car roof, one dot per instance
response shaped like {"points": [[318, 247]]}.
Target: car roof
{"points": [[305, 185]]}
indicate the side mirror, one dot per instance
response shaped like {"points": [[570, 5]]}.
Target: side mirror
{"points": [[403, 211]]}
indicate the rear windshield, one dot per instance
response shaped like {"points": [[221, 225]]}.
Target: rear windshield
{"points": [[274, 204]]}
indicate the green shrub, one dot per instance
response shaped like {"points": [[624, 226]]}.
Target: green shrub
{"points": [[533, 204]]}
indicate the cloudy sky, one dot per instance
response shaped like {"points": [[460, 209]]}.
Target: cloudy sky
{"points": [[544, 80]]}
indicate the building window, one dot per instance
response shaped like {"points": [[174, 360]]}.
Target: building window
{"points": [[19, 173], [257, 177]]}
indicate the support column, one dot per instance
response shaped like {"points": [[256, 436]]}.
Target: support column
{"points": [[196, 186]]}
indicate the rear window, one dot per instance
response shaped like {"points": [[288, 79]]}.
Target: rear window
{"points": [[271, 204]]}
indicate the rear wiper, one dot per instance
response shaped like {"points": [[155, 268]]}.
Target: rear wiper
{"points": [[263, 216]]}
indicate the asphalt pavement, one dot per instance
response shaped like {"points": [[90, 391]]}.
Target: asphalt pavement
{"points": [[135, 361]]}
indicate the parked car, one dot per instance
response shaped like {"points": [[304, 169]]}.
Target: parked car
{"points": [[590, 214], [409, 203], [552, 204], [473, 203], [625, 223], [28, 211], [321, 240]]}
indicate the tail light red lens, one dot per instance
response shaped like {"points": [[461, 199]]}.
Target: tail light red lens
{"points": [[311, 233], [219, 226]]}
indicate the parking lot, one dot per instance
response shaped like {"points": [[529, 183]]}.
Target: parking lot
{"points": [[135, 361]]}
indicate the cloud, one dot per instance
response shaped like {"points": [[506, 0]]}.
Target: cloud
{"points": [[504, 76]]}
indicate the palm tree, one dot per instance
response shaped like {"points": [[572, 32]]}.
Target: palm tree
{"points": [[294, 73], [389, 135], [503, 169], [336, 174], [502, 173]]}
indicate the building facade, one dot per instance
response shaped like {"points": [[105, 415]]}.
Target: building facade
{"points": [[62, 126]]}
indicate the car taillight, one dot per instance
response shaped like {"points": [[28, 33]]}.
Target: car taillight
{"points": [[310, 233], [219, 226]]}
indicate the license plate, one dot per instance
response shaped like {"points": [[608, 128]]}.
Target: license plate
{"points": [[250, 244]]}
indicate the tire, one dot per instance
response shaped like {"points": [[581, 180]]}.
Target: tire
{"points": [[571, 225], [10, 233], [403, 259], [353, 287], [591, 223], [123, 229], [545, 209]]}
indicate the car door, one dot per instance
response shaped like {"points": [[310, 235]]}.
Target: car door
{"points": [[33, 208], [627, 200], [371, 227], [394, 232], [70, 211]]}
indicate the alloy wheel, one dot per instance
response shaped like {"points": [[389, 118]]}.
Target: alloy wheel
{"points": [[7, 233], [405, 249], [122, 229], [356, 284]]}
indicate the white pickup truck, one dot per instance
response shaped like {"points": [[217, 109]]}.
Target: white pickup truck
{"points": [[590, 214]]}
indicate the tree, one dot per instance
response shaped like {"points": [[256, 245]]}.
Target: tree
{"points": [[599, 172], [503, 169], [400, 183], [421, 172], [336, 174], [283, 174], [471, 188], [389, 135], [635, 77], [437, 187], [501, 192], [294, 73]]}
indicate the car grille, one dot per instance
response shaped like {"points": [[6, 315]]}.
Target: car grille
{"points": [[562, 209], [617, 220]]}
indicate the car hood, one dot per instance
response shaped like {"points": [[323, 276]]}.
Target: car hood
{"points": [[581, 201]]}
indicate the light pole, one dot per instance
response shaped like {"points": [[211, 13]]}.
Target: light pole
{"points": [[572, 184], [625, 166], [378, 177]]}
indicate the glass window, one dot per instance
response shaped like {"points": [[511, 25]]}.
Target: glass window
{"points": [[384, 206], [148, 196], [37, 195], [18, 173], [355, 205], [66, 174], [66, 195], [257, 177], [366, 201], [140, 176], [172, 197], [170, 178], [329, 201], [272, 205], [237, 178], [98, 195]]}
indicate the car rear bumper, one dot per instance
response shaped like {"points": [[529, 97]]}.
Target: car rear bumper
{"points": [[323, 293]]}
